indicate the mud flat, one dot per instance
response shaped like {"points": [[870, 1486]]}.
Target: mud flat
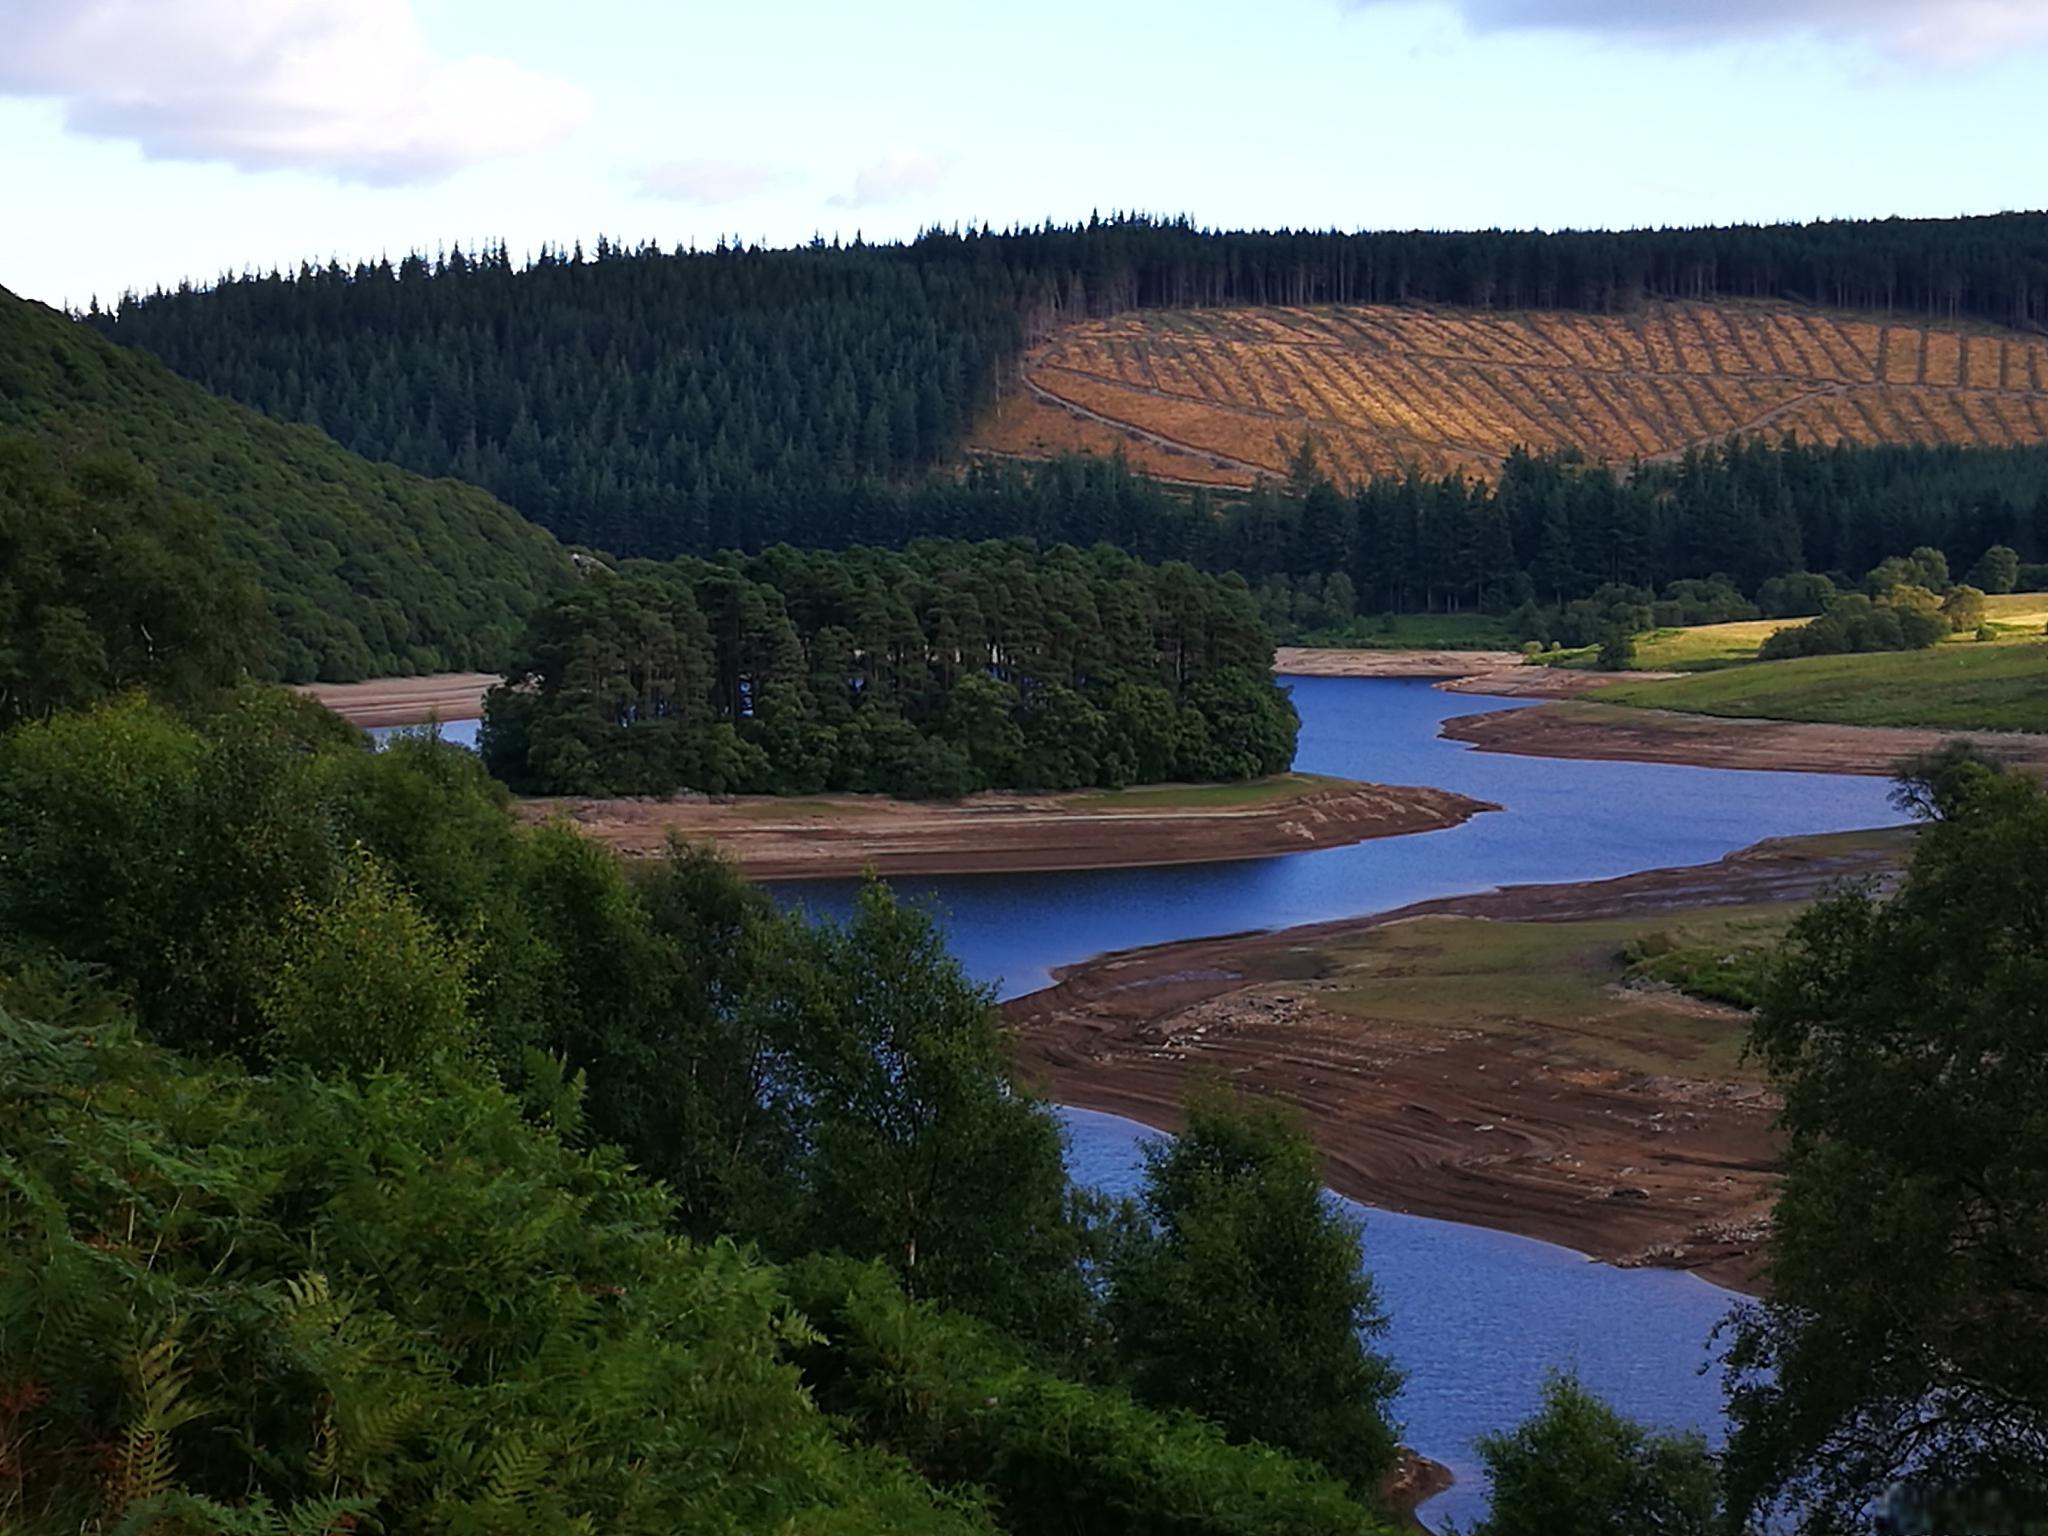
{"points": [[407, 700], [839, 835], [1479, 1059], [1502, 673], [1583, 729]]}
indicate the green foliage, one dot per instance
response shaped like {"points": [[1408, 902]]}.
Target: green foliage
{"points": [[1238, 1293], [1724, 969], [1577, 1466], [1904, 618], [1797, 595], [947, 669], [1617, 651], [1963, 608], [1945, 687], [916, 1148], [349, 911], [388, 1285], [247, 1304], [1997, 570], [167, 855], [107, 582], [964, 1406], [368, 570], [366, 983], [1904, 1338], [657, 402]]}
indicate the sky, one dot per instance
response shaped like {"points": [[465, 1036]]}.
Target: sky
{"points": [[144, 142]]}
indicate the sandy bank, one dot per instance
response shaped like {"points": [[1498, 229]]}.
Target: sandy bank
{"points": [[1582, 729], [407, 700], [1627, 1132], [1502, 673], [839, 835], [460, 695]]}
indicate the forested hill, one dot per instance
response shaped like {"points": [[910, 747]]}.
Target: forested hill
{"points": [[367, 569], [657, 402]]}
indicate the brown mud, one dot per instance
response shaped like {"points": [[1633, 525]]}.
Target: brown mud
{"points": [[1492, 1122], [1580, 728], [838, 835]]}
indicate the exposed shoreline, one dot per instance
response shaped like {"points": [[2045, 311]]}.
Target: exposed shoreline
{"points": [[1502, 674], [1568, 726], [1582, 728], [1647, 1167], [834, 836], [407, 700]]}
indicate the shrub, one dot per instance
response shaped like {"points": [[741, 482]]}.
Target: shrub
{"points": [[1055, 1457], [249, 1305]]}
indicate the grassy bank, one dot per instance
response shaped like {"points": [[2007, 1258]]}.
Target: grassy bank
{"points": [[1711, 647], [1970, 686], [1567, 995], [1180, 797]]}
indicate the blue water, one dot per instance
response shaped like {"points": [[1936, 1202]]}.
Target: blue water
{"points": [[1562, 820], [461, 732], [1478, 1317]]}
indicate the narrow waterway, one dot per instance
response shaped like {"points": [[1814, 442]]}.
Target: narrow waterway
{"points": [[1478, 1318], [1561, 820]]}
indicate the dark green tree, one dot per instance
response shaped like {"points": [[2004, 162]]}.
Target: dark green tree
{"points": [[1577, 1466], [915, 1147], [1905, 1337], [1239, 1293]]}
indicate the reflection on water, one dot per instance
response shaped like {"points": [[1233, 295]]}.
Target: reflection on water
{"points": [[1479, 1317]]}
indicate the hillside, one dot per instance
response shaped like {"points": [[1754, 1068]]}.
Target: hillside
{"points": [[368, 570], [1968, 687], [656, 402], [1224, 396]]}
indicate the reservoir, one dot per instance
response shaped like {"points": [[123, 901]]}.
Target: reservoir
{"points": [[1478, 1317]]}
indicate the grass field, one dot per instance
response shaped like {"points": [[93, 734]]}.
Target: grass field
{"points": [[1710, 647], [1225, 396], [1962, 686], [1182, 797], [1562, 985]]}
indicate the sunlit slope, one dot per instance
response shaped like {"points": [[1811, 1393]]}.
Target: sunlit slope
{"points": [[1222, 396]]}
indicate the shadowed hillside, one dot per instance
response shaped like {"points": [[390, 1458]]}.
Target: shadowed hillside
{"points": [[1223, 396], [368, 570]]}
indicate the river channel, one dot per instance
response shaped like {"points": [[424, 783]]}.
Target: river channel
{"points": [[1478, 1317]]}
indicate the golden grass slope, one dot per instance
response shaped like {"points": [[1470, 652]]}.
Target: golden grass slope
{"points": [[1221, 397]]}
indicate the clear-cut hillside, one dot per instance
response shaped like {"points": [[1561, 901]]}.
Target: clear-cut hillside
{"points": [[1224, 396]]}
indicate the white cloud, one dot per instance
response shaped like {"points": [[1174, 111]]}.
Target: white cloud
{"points": [[707, 183], [342, 86], [1928, 31], [907, 173]]}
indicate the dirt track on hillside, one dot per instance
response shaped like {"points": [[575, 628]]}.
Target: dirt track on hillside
{"points": [[1644, 1167], [839, 835]]}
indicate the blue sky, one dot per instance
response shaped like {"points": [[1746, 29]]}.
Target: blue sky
{"points": [[143, 141]]}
